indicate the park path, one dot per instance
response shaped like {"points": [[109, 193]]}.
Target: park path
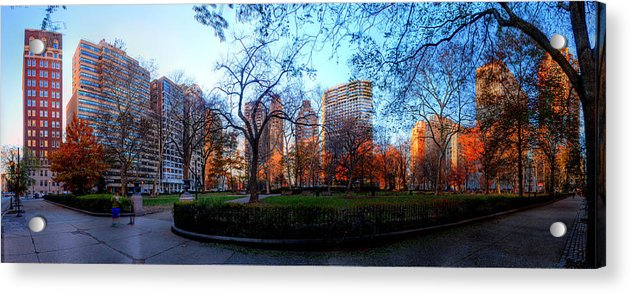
{"points": [[520, 239]]}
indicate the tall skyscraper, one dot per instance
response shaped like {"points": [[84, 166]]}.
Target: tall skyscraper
{"points": [[166, 98], [418, 145], [271, 143], [494, 84], [559, 113], [272, 136], [42, 85], [276, 128], [346, 101], [110, 90], [558, 96], [307, 129], [425, 144]]}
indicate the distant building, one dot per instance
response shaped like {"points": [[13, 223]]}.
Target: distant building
{"points": [[42, 86], [307, 146], [105, 78], [498, 95], [4, 182], [418, 145], [165, 96], [494, 83], [307, 128], [351, 100], [271, 143], [425, 153], [559, 100]]}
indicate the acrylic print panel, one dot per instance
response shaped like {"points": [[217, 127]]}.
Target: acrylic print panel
{"points": [[380, 134]]}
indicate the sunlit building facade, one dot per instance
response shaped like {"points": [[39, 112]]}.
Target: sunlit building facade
{"points": [[166, 96], [307, 128], [351, 100], [42, 86], [106, 81]]}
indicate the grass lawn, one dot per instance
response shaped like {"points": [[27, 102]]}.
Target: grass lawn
{"points": [[169, 199], [338, 200], [337, 217]]}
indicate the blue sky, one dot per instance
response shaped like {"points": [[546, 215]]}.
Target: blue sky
{"points": [[167, 33]]}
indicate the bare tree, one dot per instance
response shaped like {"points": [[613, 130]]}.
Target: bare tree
{"points": [[402, 162], [350, 140], [187, 126], [555, 117], [439, 100], [251, 81], [384, 160], [511, 89]]}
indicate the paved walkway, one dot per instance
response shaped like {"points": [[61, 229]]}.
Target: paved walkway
{"points": [[517, 240]]}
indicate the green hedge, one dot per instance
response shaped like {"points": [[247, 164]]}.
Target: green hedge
{"points": [[99, 203], [310, 221]]}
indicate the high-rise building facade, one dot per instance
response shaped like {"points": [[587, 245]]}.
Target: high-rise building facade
{"points": [[418, 145], [272, 134], [495, 87], [307, 128], [502, 109], [346, 101], [271, 142], [559, 116], [166, 99], [110, 90], [42, 86], [425, 150]]}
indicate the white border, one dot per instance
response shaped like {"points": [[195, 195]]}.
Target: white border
{"points": [[111, 279]]}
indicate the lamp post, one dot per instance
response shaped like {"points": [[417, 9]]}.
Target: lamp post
{"points": [[529, 177], [12, 165], [17, 189]]}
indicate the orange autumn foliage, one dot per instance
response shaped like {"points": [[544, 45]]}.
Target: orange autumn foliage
{"points": [[79, 162]]}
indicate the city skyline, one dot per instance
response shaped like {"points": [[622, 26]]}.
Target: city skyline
{"points": [[198, 49], [313, 124]]}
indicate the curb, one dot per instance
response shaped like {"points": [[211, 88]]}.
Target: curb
{"points": [[101, 214], [260, 241]]}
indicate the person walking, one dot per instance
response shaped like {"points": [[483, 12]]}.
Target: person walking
{"points": [[115, 210]]}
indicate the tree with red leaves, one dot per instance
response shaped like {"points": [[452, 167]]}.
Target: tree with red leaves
{"points": [[79, 161]]}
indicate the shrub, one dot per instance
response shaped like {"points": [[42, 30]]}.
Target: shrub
{"points": [[331, 222], [98, 203]]}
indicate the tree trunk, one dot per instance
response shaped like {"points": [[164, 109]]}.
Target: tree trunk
{"points": [[123, 180], [551, 191], [520, 166], [252, 183], [349, 185], [438, 188], [498, 185]]}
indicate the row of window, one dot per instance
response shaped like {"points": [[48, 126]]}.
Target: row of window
{"points": [[43, 134], [42, 103], [43, 73], [42, 144], [43, 84], [89, 83], [44, 63], [44, 183], [89, 47], [43, 123], [43, 94], [84, 52], [46, 54], [44, 113]]}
